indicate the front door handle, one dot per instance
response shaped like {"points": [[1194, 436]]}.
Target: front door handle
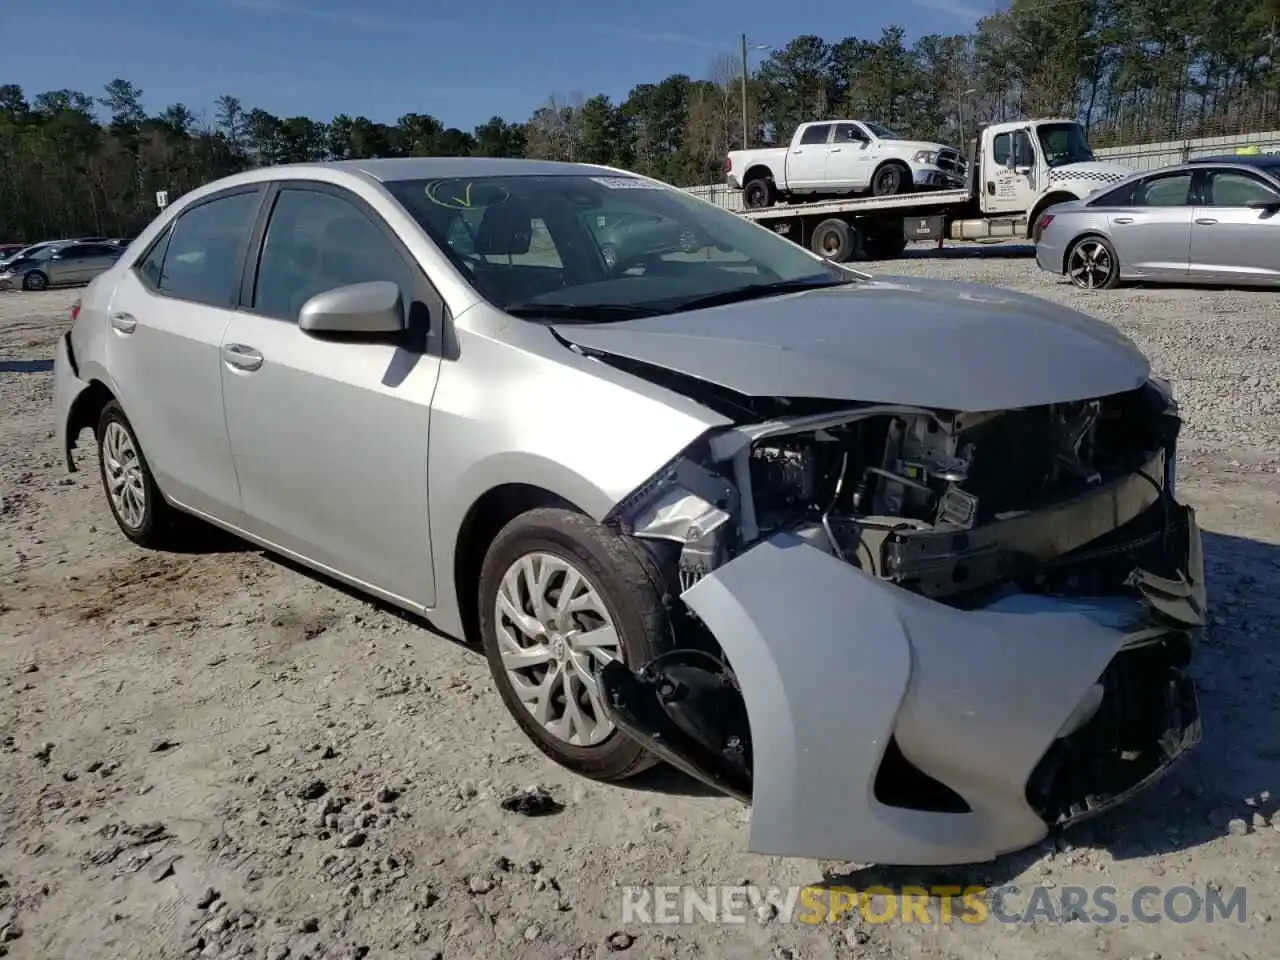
{"points": [[240, 357], [835, 150], [1206, 221], [1124, 219], [124, 322]]}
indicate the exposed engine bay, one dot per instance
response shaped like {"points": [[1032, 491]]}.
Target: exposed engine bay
{"points": [[1071, 499]]}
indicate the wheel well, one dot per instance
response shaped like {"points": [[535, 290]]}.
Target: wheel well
{"points": [[87, 408], [1075, 240], [755, 173], [892, 162], [488, 515], [1062, 196]]}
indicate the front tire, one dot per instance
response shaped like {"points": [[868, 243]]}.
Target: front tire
{"points": [[35, 280], [1092, 264], [890, 180], [560, 595], [140, 510]]}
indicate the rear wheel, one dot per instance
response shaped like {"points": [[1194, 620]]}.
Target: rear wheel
{"points": [[759, 193], [1092, 264], [140, 510], [561, 596], [834, 240]]}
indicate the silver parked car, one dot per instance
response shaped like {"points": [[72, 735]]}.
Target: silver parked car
{"points": [[1212, 220], [59, 265], [897, 561]]}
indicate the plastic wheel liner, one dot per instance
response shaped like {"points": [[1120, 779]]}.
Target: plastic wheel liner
{"points": [[890, 728]]}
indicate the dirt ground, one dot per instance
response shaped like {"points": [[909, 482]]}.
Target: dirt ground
{"points": [[215, 754]]}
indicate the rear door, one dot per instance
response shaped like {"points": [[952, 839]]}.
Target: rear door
{"points": [[167, 315], [1152, 233], [807, 158], [1232, 242]]}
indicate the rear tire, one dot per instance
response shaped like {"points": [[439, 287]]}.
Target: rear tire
{"points": [[759, 193], [1092, 263], [833, 239], [615, 583], [140, 509]]}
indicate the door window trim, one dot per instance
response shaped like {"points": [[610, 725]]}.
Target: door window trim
{"points": [[166, 235], [428, 341], [1206, 194]]}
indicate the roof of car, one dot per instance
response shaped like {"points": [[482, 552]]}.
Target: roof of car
{"points": [[389, 170], [1265, 160]]}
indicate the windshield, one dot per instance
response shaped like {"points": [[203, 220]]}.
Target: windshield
{"points": [[884, 133], [1063, 143], [612, 244]]}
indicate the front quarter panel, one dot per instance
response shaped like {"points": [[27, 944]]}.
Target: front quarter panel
{"points": [[520, 407]]}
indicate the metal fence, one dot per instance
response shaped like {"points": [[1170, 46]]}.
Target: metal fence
{"points": [[1142, 156]]}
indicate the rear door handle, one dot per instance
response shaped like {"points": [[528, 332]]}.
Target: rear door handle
{"points": [[240, 357], [1124, 219], [1206, 221], [124, 322]]}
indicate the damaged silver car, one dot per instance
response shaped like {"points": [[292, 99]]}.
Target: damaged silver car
{"points": [[899, 563]]}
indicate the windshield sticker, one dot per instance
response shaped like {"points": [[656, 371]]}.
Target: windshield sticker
{"points": [[627, 183], [466, 194]]}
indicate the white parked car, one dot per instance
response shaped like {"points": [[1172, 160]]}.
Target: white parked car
{"points": [[839, 157]]}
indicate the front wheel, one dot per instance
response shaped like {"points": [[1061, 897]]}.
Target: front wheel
{"points": [[561, 596], [891, 179], [1092, 264], [35, 280]]}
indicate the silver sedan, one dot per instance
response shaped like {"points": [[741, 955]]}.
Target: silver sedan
{"points": [[799, 531], [1213, 220]]}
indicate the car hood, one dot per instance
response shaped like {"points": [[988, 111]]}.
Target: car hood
{"points": [[917, 145], [900, 340]]}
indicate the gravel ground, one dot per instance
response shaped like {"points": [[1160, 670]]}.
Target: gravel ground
{"points": [[215, 754]]}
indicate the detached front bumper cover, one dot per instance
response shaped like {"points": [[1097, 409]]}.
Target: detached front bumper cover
{"points": [[1031, 712]]}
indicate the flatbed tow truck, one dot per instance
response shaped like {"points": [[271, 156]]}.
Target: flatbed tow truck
{"points": [[1015, 171]]}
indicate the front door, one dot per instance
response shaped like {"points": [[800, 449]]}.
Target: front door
{"points": [[1232, 242], [329, 436], [1009, 177], [167, 317], [849, 160]]}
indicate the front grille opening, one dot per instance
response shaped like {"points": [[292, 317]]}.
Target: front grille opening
{"points": [[1148, 718], [900, 783]]}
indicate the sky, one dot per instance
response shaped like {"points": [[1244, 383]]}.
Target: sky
{"points": [[462, 64]]}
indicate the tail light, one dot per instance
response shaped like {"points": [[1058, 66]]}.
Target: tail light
{"points": [[1043, 225], [75, 311], [728, 164]]}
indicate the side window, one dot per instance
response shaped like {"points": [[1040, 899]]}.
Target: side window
{"points": [[1170, 191], [1002, 148], [1119, 197], [1230, 188], [73, 252], [848, 133], [152, 264], [317, 241], [206, 250], [1023, 154], [815, 134]]}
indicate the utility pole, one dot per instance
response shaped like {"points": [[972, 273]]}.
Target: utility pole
{"points": [[746, 145]]}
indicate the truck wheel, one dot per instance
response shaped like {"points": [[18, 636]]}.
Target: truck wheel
{"points": [[890, 179], [758, 194], [834, 240]]}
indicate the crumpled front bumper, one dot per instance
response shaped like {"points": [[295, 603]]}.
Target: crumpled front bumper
{"points": [[937, 178], [1026, 710]]}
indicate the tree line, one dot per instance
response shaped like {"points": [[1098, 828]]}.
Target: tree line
{"points": [[1130, 70]]}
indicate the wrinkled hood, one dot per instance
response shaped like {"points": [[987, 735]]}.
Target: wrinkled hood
{"points": [[902, 340], [915, 145]]}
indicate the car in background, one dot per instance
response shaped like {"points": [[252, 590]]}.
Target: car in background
{"points": [[627, 238], [57, 265], [1209, 220], [802, 532], [9, 249]]}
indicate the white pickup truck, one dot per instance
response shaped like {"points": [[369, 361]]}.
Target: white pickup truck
{"points": [[832, 158]]}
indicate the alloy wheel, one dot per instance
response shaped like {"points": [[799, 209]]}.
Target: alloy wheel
{"points": [[126, 485], [554, 633], [1090, 264]]}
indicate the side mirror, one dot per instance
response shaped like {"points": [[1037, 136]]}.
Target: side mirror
{"points": [[371, 309]]}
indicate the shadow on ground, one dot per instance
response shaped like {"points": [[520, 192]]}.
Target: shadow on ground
{"points": [[995, 251], [25, 366]]}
